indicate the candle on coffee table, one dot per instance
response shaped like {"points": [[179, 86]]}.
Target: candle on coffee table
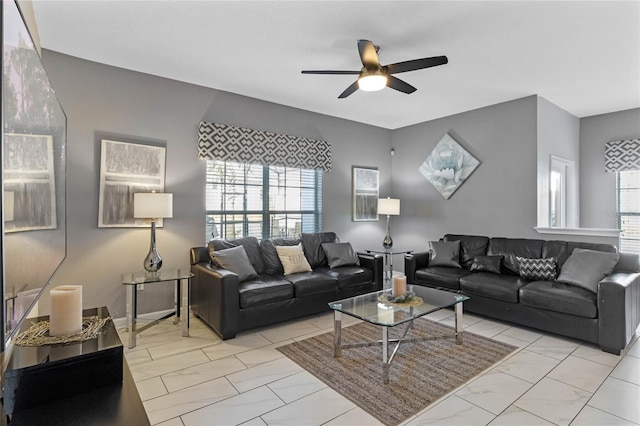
{"points": [[399, 285]]}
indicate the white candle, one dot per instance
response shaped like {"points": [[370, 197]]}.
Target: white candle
{"points": [[399, 285], [66, 310]]}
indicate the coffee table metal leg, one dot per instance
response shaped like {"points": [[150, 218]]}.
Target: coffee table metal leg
{"points": [[337, 331], [459, 323], [385, 355]]}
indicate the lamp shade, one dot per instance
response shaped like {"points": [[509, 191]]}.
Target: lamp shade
{"points": [[152, 205], [389, 206]]}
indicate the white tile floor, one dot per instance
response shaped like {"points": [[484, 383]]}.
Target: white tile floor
{"points": [[202, 380]]}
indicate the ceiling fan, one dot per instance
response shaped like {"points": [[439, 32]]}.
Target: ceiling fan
{"points": [[374, 76]]}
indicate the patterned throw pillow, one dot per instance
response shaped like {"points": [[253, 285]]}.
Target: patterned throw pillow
{"points": [[537, 269]]}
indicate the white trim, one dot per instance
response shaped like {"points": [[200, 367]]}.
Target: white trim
{"points": [[593, 232]]}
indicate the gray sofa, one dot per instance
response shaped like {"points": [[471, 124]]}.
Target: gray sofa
{"points": [[607, 313], [229, 303]]}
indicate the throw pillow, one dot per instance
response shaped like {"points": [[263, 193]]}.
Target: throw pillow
{"points": [[293, 259], [235, 259], [486, 264], [585, 268], [312, 244], [537, 269], [443, 253], [340, 254]]}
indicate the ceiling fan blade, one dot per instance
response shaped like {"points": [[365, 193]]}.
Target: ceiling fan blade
{"points": [[368, 54], [349, 90], [416, 64], [399, 85], [332, 72]]}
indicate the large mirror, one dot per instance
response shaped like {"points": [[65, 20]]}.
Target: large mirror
{"points": [[33, 173]]}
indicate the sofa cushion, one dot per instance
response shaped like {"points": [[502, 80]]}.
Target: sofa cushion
{"points": [[560, 297], [293, 259], [585, 268], [443, 253], [312, 244], [470, 247], [272, 264], [486, 264], [235, 259], [264, 289], [310, 283], [486, 284], [441, 276], [537, 269], [251, 246], [348, 276], [512, 247], [340, 254]]}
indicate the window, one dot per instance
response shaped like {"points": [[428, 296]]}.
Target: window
{"points": [[628, 200], [561, 193], [251, 200]]}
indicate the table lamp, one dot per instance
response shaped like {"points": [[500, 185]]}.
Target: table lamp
{"points": [[388, 206], [152, 205]]}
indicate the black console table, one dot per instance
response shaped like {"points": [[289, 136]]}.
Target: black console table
{"points": [[85, 383], [111, 405]]}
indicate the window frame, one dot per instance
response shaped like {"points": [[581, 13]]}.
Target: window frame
{"points": [[620, 214], [266, 212]]}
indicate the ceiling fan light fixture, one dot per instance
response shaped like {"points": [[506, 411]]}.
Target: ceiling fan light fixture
{"points": [[372, 82]]}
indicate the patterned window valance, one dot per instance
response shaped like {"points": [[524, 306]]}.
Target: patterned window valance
{"points": [[229, 143], [620, 156]]}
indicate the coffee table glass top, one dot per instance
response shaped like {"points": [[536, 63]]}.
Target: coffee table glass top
{"points": [[375, 309]]}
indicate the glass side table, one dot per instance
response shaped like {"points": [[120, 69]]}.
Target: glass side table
{"points": [[388, 261], [182, 299]]}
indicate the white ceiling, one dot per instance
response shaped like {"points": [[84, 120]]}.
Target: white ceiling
{"points": [[584, 56]]}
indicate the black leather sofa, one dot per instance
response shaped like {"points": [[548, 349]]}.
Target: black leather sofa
{"points": [[229, 305], [608, 317]]}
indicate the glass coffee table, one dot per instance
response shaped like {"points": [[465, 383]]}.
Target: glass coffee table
{"points": [[375, 309]]}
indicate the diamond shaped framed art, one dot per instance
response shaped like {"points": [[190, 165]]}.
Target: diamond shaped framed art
{"points": [[448, 166]]}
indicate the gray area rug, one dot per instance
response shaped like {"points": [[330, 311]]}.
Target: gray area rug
{"points": [[420, 373]]}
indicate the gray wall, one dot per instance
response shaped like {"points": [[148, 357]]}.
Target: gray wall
{"points": [[558, 133], [498, 199], [106, 101], [598, 188]]}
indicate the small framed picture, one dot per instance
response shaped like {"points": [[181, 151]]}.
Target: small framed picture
{"points": [[365, 193]]}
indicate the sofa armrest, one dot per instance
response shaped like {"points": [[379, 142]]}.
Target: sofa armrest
{"points": [[629, 262], [618, 310], [199, 255], [215, 296], [376, 264], [413, 262]]}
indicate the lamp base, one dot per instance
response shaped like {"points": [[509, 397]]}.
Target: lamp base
{"points": [[153, 261], [388, 242]]}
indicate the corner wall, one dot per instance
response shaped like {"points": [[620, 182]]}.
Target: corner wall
{"points": [[598, 188]]}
